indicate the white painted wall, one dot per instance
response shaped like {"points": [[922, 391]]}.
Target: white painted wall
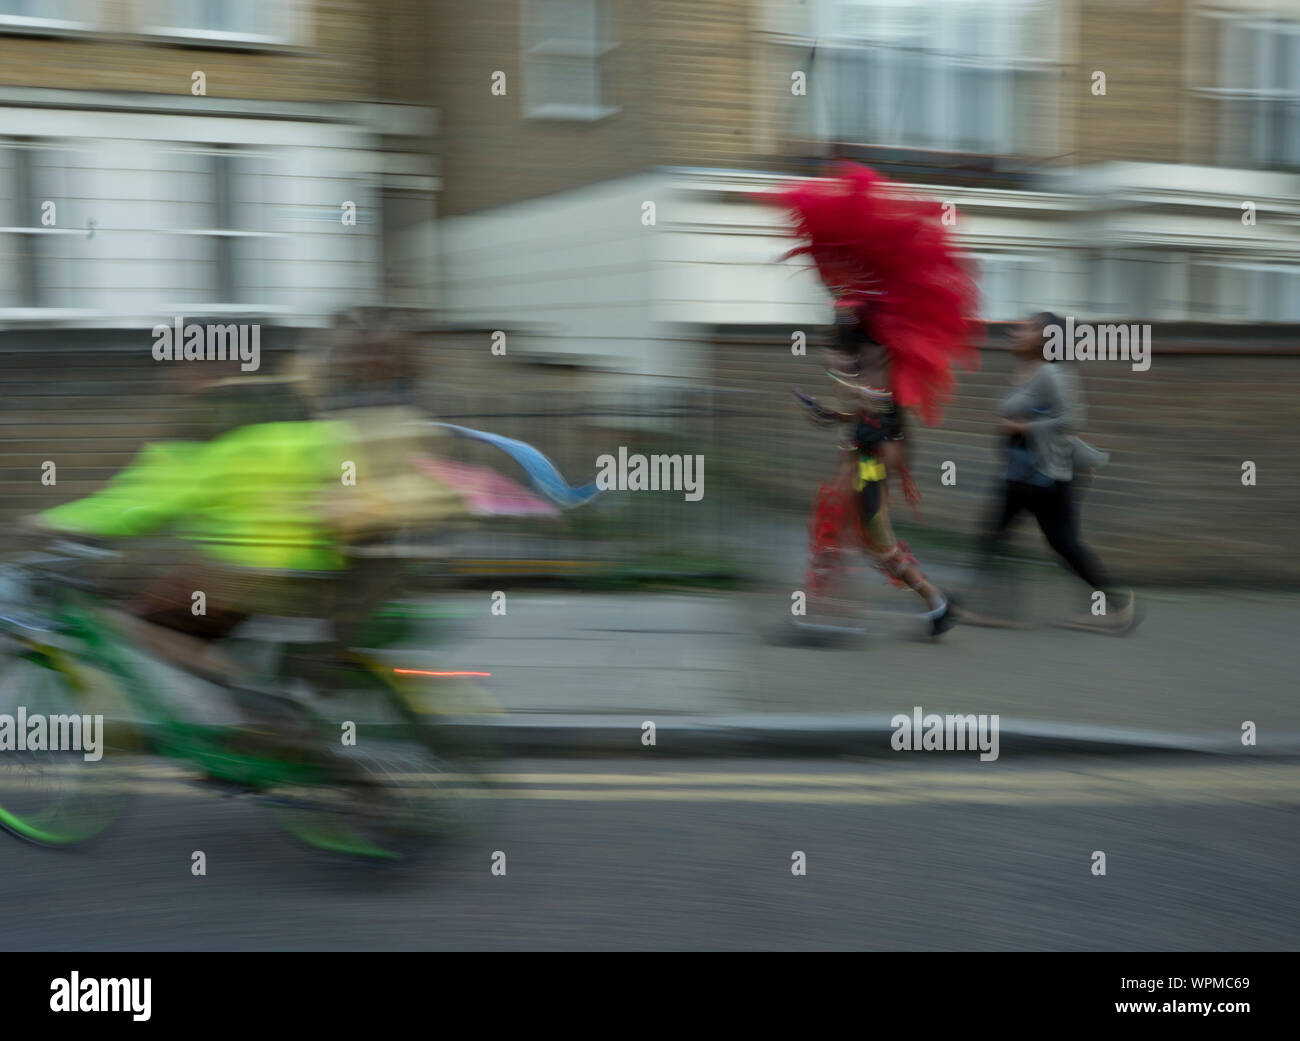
{"points": [[716, 259], [717, 262], [575, 270], [720, 263], [581, 271]]}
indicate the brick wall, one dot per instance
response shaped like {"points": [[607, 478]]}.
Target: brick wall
{"points": [[493, 152], [338, 59], [89, 401], [1170, 506], [681, 76], [1140, 49], [705, 102]]}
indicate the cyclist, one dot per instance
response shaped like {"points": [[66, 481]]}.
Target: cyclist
{"points": [[247, 506]]}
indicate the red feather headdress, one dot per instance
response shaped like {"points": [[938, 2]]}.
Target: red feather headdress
{"points": [[887, 255]]}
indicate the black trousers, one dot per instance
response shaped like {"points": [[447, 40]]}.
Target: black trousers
{"points": [[1052, 506]]}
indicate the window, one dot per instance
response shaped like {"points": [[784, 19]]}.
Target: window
{"points": [[1249, 292], [1011, 286], [1259, 93], [106, 227], [148, 225], [235, 22], [38, 16], [40, 185], [219, 224], [566, 59], [950, 75], [1143, 284]]}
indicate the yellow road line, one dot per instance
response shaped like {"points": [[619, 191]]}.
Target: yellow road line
{"points": [[1261, 784], [986, 776]]}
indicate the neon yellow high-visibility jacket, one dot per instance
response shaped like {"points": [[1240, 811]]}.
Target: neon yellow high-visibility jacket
{"points": [[253, 497]]}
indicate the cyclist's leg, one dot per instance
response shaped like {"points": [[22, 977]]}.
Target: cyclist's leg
{"points": [[170, 621]]}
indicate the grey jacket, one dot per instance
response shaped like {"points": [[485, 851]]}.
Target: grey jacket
{"points": [[1051, 402]]}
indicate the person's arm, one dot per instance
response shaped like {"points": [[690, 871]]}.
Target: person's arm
{"points": [[820, 413], [1048, 402], [156, 487], [895, 455], [1021, 401], [1065, 412]]}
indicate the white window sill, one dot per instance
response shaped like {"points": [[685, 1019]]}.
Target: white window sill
{"points": [[21, 25], [227, 233], [572, 113], [590, 49], [80, 318], [41, 229], [212, 39]]}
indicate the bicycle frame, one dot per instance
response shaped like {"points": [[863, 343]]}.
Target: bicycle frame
{"points": [[76, 620]]}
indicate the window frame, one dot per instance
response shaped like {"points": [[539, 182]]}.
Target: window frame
{"points": [[939, 56], [597, 50], [223, 155], [91, 22], [152, 20], [1251, 144], [1028, 264]]}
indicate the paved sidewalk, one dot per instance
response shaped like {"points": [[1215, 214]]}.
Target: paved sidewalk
{"points": [[712, 670]]}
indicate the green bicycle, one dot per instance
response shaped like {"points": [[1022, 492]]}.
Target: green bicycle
{"points": [[400, 785]]}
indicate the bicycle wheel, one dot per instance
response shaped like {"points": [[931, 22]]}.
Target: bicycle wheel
{"points": [[404, 791], [390, 802], [59, 786]]}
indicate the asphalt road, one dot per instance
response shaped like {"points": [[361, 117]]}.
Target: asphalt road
{"points": [[643, 853]]}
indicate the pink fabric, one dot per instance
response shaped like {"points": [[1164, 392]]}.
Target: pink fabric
{"points": [[486, 492]]}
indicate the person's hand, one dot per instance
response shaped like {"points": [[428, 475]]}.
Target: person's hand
{"points": [[910, 494], [818, 412], [1014, 426]]}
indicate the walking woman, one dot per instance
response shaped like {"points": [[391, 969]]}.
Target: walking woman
{"points": [[1040, 418]]}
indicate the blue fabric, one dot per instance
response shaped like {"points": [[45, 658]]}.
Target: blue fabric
{"points": [[1020, 463], [1020, 460], [543, 473]]}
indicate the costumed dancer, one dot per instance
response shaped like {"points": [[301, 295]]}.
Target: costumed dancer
{"points": [[903, 297]]}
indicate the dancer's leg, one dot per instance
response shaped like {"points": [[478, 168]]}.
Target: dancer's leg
{"points": [[880, 542]]}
